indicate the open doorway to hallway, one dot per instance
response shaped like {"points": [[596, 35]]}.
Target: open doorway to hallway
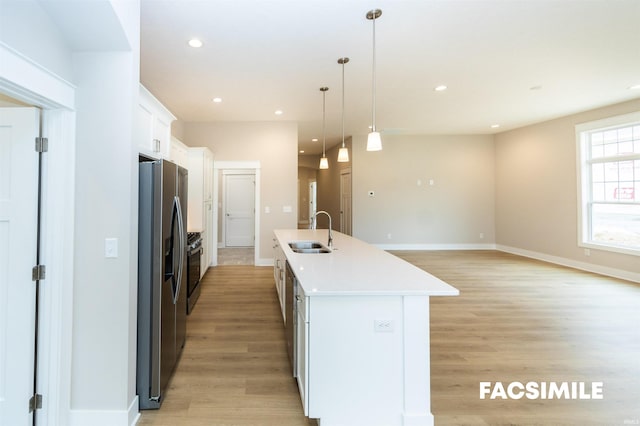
{"points": [[237, 226]]}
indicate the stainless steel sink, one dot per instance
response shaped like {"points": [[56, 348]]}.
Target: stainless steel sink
{"points": [[305, 245], [311, 250], [313, 247]]}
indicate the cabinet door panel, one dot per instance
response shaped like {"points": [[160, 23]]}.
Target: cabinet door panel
{"points": [[144, 130]]}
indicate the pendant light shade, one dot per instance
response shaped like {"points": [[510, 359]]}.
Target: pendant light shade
{"points": [[324, 163], [343, 152], [343, 155], [374, 141]]}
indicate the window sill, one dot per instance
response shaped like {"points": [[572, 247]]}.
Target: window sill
{"points": [[610, 248]]}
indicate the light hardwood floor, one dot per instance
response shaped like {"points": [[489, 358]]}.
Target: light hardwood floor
{"points": [[516, 319]]}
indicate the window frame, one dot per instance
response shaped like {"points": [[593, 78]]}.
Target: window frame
{"points": [[584, 179]]}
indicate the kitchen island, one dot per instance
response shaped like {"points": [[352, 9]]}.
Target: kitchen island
{"points": [[361, 330]]}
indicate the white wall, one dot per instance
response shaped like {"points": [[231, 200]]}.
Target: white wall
{"points": [[450, 214], [102, 325], [103, 287], [275, 146], [26, 28], [536, 190]]}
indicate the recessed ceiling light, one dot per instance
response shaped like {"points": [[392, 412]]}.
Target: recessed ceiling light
{"points": [[194, 42], [440, 88], [495, 126], [634, 87], [302, 151], [217, 100], [314, 140], [278, 112]]}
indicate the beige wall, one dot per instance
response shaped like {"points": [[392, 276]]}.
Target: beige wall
{"points": [[536, 189], [452, 212], [275, 146]]}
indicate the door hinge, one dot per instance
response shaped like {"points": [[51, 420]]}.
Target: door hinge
{"points": [[38, 272], [42, 144], [35, 402]]}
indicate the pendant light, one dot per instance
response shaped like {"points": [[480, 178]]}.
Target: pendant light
{"points": [[324, 163], [374, 142], [343, 153]]}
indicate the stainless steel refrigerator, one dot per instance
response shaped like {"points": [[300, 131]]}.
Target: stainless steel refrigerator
{"points": [[162, 288]]}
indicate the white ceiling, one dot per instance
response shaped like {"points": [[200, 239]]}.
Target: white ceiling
{"points": [[507, 62]]}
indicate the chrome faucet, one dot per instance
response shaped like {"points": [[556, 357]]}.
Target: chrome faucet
{"points": [[315, 220]]}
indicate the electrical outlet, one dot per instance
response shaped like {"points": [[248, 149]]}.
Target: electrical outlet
{"points": [[383, 325]]}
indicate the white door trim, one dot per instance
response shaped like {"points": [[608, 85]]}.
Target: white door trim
{"points": [[225, 206], [27, 81], [343, 228], [251, 167]]}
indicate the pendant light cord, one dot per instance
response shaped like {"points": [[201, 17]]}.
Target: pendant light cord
{"points": [[324, 92], [343, 61], [373, 114]]}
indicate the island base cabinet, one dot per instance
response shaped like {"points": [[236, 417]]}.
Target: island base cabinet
{"points": [[302, 347], [368, 360]]}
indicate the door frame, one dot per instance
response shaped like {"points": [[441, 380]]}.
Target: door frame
{"points": [[218, 168], [343, 172], [28, 82], [230, 172]]}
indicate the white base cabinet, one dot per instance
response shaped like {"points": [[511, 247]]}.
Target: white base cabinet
{"points": [[364, 359], [361, 336], [301, 343], [279, 271]]}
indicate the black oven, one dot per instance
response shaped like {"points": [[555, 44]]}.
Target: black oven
{"points": [[194, 251]]}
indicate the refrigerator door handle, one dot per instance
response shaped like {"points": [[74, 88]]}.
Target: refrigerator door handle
{"points": [[183, 248]]}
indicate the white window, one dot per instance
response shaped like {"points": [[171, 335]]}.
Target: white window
{"points": [[609, 184]]}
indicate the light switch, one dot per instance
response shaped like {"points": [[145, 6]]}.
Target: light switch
{"points": [[267, 209], [110, 247], [286, 209]]}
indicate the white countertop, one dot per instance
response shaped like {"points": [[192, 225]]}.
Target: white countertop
{"points": [[356, 268]]}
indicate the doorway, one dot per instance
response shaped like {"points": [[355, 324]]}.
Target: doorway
{"points": [[345, 201], [239, 208], [313, 200], [222, 169], [32, 85], [19, 235]]}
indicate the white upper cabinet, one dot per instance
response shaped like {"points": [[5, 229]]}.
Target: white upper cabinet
{"points": [[179, 153], [153, 128]]}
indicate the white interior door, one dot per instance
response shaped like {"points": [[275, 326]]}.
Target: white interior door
{"points": [[345, 201], [239, 210], [312, 200], [18, 218]]}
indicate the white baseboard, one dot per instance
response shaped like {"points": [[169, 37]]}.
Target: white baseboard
{"points": [[584, 266], [127, 417], [265, 262], [436, 246], [589, 267]]}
